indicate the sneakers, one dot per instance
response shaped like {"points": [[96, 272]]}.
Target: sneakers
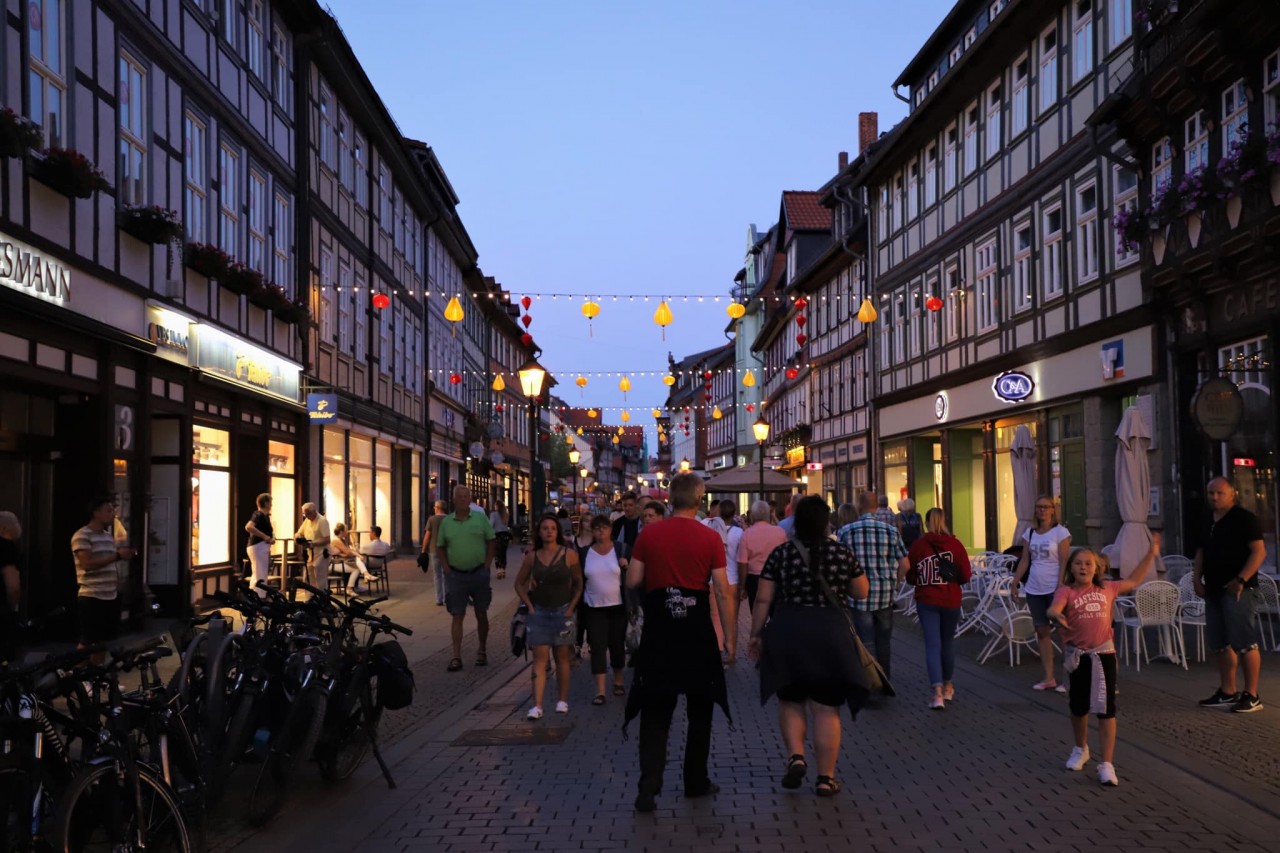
{"points": [[1220, 699], [1107, 774], [1079, 758], [1247, 705], [562, 707], [1061, 688], [937, 703], [949, 693], [535, 713], [1047, 684]]}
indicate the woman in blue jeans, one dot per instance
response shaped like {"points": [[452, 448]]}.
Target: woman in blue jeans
{"points": [[939, 567]]}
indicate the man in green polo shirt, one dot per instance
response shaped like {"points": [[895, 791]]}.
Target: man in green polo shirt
{"points": [[464, 549]]}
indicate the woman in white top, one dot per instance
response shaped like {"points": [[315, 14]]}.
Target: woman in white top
{"points": [[1043, 562], [606, 614]]}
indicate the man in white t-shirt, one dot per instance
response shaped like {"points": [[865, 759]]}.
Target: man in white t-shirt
{"points": [[314, 530]]}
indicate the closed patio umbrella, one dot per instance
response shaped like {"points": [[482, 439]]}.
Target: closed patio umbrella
{"points": [[1023, 453], [1133, 487]]}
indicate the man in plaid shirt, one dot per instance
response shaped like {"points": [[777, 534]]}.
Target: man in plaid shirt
{"points": [[881, 554]]}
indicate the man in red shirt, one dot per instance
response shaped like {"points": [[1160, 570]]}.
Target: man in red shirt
{"points": [[674, 562]]}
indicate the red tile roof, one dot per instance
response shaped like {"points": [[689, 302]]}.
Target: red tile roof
{"points": [[805, 211]]}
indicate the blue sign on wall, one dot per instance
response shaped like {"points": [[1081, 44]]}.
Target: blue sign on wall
{"points": [[1013, 386], [322, 408]]}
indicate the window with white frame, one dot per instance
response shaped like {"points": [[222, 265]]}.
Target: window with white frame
{"points": [[384, 198], [1124, 196], [1052, 252], [919, 98], [994, 106], [361, 177], [361, 302], [1196, 142], [954, 302], [970, 139], [914, 319], [47, 80], [970, 37], [899, 328], [1271, 88], [255, 46], [257, 221], [229, 200], [345, 298], [1161, 165], [949, 165], [932, 322], [995, 9], [955, 55], [328, 297], [899, 201], [1048, 81], [882, 211], [346, 161], [885, 332], [1082, 41], [282, 241], [384, 343], [133, 130], [400, 230], [1235, 114], [933, 81], [195, 165], [324, 128], [1022, 283], [282, 67], [1119, 21], [987, 288], [913, 190], [1020, 107], [1086, 236], [229, 18], [930, 175]]}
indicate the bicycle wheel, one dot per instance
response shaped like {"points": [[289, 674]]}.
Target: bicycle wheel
{"points": [[224, 665], [17, 811], [348, 740], [293, 745], [237, 738], [98, 812]]}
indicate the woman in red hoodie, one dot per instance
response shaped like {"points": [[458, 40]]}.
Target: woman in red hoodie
{"points": [[939, 566]]}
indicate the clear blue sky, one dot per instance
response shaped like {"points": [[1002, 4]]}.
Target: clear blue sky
{"points": [[623, 147]]}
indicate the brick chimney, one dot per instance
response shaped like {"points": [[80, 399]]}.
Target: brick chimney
{"points": [[844, 160], [868, 130]]}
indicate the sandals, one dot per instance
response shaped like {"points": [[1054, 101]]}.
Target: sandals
{"points": [[796, 768], [599, 700], [454, 665], [827, 786], [482, 659], [619, 690]]}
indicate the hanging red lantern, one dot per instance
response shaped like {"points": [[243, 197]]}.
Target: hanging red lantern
{"points": [[526, 339], [933, 303], [455, 378], [801, 338], [526, 319], [381, 300], [707, 397], [792, 373], [706, 375], [802, 303], [525, 302], [498, 408], [751, 407], [707, 386], [801, 320]]}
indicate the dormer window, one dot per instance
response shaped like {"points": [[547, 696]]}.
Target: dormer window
{"points": [[970, 37], [955, 54]]}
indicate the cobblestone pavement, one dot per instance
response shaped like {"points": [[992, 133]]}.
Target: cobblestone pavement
{"points": [[985, 774]]}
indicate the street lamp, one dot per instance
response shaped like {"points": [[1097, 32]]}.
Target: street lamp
{"points": [[532, 376], [574, 455], [583, 472], [684, 464], [761, 430]]}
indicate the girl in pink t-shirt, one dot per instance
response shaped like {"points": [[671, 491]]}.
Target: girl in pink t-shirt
{"points": [[1082, 609]]}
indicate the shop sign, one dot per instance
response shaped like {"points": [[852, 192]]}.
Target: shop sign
{"points": [[170, 332], [24, 269], [244, 364], [1012, 386], [1113, 360], [795, 455], [1218, 408], [1244, 305], [813, 466], [940, 406], [858, 450], [322, 408]]}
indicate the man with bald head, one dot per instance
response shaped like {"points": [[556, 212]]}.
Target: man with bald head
{"points": [[1226, 574], [464, 549], [313, 536]]}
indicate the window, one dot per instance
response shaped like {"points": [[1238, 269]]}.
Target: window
{"points": [[1235, 114], [133, 131], [1052, 249], [954, 302], [47, 83], [324, 129], [1021, 105], [988, 286], [1196, 143], [1271, 88], [361, 312], [361, 176], [955, 55], [885, 332], [970, 139], [1049, 68], [1119, 21], [933, 81], [1124, 197], [328, 297], [384, 198], [899, 201], [1082, 41], [899, 328], [930, 175], [919, 98], [344, 299], [970, 37], [1022, 266], [282, 242], [346, 160], [197, 178], [996, 8], [994, 137], [949, 166], [932, 322], [282, 67], [257, 221], [914, 320], [384, 343], [255, 44], [229, 200], [913, 190], [229, 18], [882, 211], [1086, 235], [1161, 165]]}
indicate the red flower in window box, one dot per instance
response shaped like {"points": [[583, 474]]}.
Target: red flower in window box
{"points": [[18, 134], [67, 171], [151, 224], [207, 260], [242, 280]]}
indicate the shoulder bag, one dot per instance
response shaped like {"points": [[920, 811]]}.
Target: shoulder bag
{"points": [[875, 675], [948, 570]]}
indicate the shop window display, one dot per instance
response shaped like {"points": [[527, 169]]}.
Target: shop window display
{"points": [[1249, 456], [210, 496]]}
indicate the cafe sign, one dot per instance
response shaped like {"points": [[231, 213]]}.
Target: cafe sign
{"points": [[1217, 408], [26, 270], [241, 363]]}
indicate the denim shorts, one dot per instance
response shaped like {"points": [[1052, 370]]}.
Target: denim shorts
{"points": [[1231, 623], [550, 627], [1039, 607], [463, 588]]}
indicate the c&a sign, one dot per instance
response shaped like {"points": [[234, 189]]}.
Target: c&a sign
{"points": [[1013, 386]]}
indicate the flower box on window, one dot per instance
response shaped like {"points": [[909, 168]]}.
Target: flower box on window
{"points": [[209, 261], [18, 134], [1240, 166], [292, 311], [67, 171], [242, 280], [1128, 225], [151, 224]]}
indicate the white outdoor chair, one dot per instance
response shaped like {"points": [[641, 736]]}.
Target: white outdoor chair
{"points": [[1191, 612], [1175, 566], [1112, 553], [982, 615], [1013, 626], [1268, 606], [1155, 605]]}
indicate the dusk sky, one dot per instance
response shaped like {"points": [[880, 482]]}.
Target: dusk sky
{"points": [[624, 147]]}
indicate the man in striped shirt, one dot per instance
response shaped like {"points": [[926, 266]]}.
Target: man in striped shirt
{"points": [[881, 554], [96, 553]]}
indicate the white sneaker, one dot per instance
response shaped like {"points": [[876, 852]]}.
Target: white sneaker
{"points": [[1107, 774], [561, 708], [936, 703], [1079, 758], [535, 713], [1061, 688]]}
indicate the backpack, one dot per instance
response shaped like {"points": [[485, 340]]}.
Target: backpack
{"points": [[518, 621], [912, 527], [395, 679]]}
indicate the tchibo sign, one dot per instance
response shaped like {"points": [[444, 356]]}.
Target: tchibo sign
{"points": [[24, 269]]}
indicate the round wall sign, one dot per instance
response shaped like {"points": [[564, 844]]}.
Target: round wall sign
{"points": [[1217, 408], [477, 449], [940, 406], [1013, 386]]}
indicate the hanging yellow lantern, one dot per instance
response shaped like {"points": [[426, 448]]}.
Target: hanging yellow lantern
{"points": [[668, 380], [867, 312], [663, 317], [716, 414], [581, 382], [590, 310], [621, 431], [624, 386], [657, 413], [498, 384], [749, 380], [625, 416], [591, 413], [453, 313], [579, 430], [568, 439], [736, 310], [617, 440]]}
